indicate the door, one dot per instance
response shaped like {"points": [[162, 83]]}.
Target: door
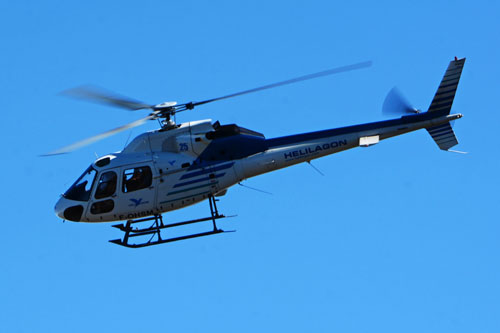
{"points": [[103, 198], [137, 192]]}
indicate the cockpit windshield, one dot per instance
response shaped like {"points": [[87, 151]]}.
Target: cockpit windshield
{"points": [[80, 190]]}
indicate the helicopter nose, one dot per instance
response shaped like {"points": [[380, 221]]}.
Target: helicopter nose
{"points": [[59, 208], [68, 210]]}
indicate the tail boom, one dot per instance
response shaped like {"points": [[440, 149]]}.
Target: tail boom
{"points": [[290, 150]]}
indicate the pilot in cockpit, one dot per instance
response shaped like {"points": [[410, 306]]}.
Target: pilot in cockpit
{"points": [[136, 181]]}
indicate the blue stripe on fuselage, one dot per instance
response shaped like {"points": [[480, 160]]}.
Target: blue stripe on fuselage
{"points": [[208, 170], [199, 180]]}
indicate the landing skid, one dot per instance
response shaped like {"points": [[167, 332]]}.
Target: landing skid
{"points": [[156, 228]]}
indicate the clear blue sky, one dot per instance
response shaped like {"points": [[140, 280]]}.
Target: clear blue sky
{"points": [[399, 237]]}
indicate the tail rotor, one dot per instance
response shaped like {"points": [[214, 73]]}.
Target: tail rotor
{"points": [[396, 104]]}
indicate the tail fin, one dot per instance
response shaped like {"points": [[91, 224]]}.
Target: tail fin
{"points": [[443, 134], [443, 99]]}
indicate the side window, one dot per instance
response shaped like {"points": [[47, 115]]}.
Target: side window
{"points": [[136, 179], [106, 186]]}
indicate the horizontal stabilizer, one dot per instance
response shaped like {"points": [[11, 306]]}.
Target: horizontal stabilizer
{"points": [[443, 135]]}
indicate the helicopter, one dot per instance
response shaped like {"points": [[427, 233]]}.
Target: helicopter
{"points": [[179, 165]]}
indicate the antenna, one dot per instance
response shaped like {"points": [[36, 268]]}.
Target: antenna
{"points": [[321, 173], [255, 189], [458, 151], [128, 138]]}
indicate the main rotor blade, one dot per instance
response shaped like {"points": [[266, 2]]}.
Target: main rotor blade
{"points": [[289, 81], [98, 137], [99, 95]]}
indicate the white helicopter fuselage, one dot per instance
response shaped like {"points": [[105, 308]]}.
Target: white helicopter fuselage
{"points": [[187, 164]]}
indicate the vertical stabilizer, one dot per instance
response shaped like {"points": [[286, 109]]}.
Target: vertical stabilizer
{"points": [[443, 99]]}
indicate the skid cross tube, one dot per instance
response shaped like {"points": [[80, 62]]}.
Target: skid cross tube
{"points": [[158, 225]]}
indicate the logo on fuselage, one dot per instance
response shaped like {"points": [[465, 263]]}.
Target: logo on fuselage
{"points": [[313, 150], [137, 202]]}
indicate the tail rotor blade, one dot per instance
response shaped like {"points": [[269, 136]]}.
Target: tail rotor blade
{"points": [[396, 103]]}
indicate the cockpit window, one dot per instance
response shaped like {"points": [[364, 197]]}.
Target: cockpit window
{"points": [[80, 190], [106, 186], [136, 179]]}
